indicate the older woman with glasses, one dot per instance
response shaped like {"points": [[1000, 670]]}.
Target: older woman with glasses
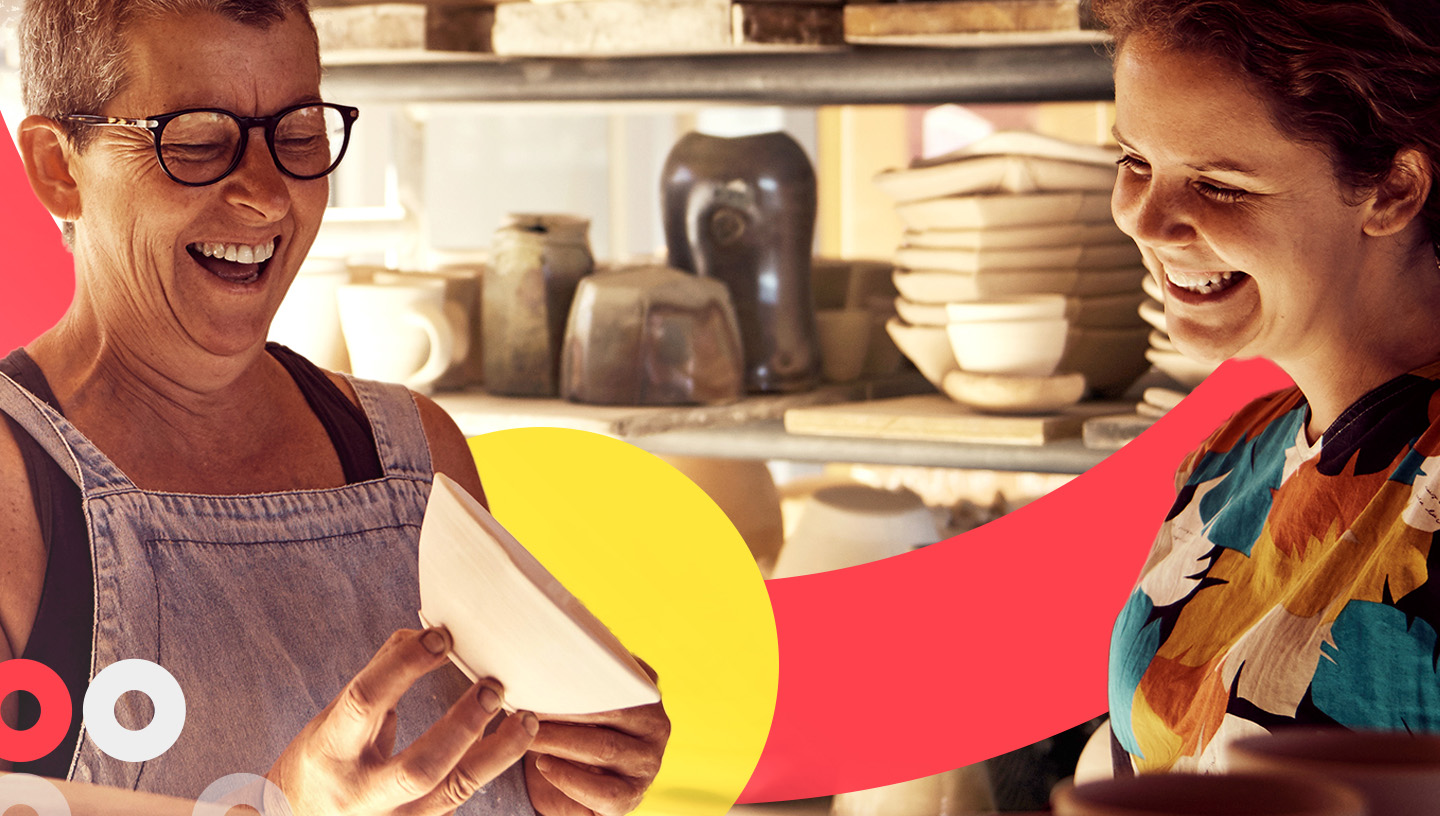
{"points": [[179, 491]]}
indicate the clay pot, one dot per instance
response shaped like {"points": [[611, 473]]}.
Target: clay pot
{"points": [[538, 261]]}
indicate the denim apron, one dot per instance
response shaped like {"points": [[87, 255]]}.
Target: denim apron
{"points": [[261, 606]]}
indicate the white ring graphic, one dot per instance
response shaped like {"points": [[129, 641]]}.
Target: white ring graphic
{"points": [[242, 789], [152, 681], [32, 791]]}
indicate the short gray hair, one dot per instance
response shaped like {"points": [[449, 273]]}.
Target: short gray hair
{"points": [[72, 52]]}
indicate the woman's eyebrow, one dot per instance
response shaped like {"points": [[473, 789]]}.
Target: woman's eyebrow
{"points": [[1208, 166]]}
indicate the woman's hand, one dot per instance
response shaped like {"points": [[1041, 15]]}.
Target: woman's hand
{"points": [[341, 763], [596, 764]]}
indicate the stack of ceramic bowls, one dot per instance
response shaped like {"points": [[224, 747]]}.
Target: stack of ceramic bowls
{"points": [[1008, 350], [1018, 214], [1167, 359]]}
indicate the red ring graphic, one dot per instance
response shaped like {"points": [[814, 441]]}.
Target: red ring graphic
{"points": [[55, 712]]}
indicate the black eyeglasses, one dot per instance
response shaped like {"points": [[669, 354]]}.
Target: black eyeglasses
{"points": [[203, 145]]}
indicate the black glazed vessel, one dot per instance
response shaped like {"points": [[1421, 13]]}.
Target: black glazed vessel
{"points": [[742, 210]]}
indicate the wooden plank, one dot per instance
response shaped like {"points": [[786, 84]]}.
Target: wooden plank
{"points": [[959, 22], [636, 27], [404, 27], [1114, 431], [770, 23], [477, 412], [933, 417]]}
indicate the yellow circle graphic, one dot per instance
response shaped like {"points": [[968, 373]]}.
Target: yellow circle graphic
{"points": [[659, 563]]}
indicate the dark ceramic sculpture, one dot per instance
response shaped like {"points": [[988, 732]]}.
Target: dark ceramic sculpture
{"points": [[742, 211]]}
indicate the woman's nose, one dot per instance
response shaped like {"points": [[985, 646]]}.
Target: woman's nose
{"points": [[257, 184], [1152, 213]]}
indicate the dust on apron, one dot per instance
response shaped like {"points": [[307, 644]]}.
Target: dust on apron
{"points": [[261, 606]]}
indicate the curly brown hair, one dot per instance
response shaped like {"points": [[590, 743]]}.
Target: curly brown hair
{"points": [[1360, 78]]}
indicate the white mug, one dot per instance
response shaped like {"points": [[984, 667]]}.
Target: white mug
{"points": [[308, 320], [399, 332], [462, 307]]}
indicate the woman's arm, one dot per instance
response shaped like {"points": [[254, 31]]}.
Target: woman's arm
{"points": [[449, 452]]}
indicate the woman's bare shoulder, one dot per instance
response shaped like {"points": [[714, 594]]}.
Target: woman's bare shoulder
{"points": [[449, 450]]}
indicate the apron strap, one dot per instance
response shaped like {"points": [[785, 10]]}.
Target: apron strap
{"points": [[42, 423], [395, 421]]}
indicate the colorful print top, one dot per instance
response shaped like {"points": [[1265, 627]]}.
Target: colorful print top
{"points": [[1290, 584]]}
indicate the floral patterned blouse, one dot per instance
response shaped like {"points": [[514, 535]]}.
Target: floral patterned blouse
{"points": [[1290, 584]]}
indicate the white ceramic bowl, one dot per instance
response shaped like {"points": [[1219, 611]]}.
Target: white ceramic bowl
{"points": [[921, 314], [926, 346], [1018, 307], [1031, 347], [850, 524]]}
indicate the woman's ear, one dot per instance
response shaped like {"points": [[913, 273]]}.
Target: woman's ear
{"points": [[47, 154], [1401, 196]]}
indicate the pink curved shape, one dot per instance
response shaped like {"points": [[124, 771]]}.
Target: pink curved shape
{"points": [[989, 641], [37, 279]]}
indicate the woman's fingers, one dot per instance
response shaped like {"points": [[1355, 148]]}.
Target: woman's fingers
{"points": [[485, 759], [357, 715], [589, 790], [426, 762], [630, 741], [597, 764]]}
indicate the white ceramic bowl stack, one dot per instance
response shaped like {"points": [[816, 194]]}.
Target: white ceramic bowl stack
{"points": [[1016, 215], [1167, 359]]}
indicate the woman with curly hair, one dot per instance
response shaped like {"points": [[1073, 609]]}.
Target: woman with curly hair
{"points": [[1279, 175]]}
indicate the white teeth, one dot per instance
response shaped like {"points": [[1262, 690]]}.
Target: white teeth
{"points": [[1207, 286], [239, 253]]}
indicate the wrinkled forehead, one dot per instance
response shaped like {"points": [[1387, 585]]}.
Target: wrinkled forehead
{"points": [[206, 59]]}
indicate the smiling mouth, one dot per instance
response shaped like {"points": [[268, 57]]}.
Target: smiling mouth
{"points": [[1214, 283], [234, 263]]}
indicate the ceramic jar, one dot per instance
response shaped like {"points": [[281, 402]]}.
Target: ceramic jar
{"points": [[652, 336], [537, 263], [742, 211]]}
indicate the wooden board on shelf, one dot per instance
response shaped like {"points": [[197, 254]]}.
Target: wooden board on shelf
{"points": [[478, 412], [965, 22], [639, 27], [376, 31], [934, 417], [419, 30], [314, 4], [1114, 431]]}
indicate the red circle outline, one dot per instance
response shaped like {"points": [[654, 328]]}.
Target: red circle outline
{"points": [[55, 710]]}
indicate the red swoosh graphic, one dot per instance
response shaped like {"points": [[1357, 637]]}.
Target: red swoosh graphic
{"points": [[987, 642]]}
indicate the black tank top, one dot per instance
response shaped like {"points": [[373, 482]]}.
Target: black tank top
{"points": [[62, 635]]}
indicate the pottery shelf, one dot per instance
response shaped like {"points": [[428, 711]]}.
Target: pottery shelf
{"points": [[769, 440], [477, 412], [1036, 70], [753, 429]]}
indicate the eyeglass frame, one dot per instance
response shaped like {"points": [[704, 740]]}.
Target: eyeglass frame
{"points": [[156, 126]]}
